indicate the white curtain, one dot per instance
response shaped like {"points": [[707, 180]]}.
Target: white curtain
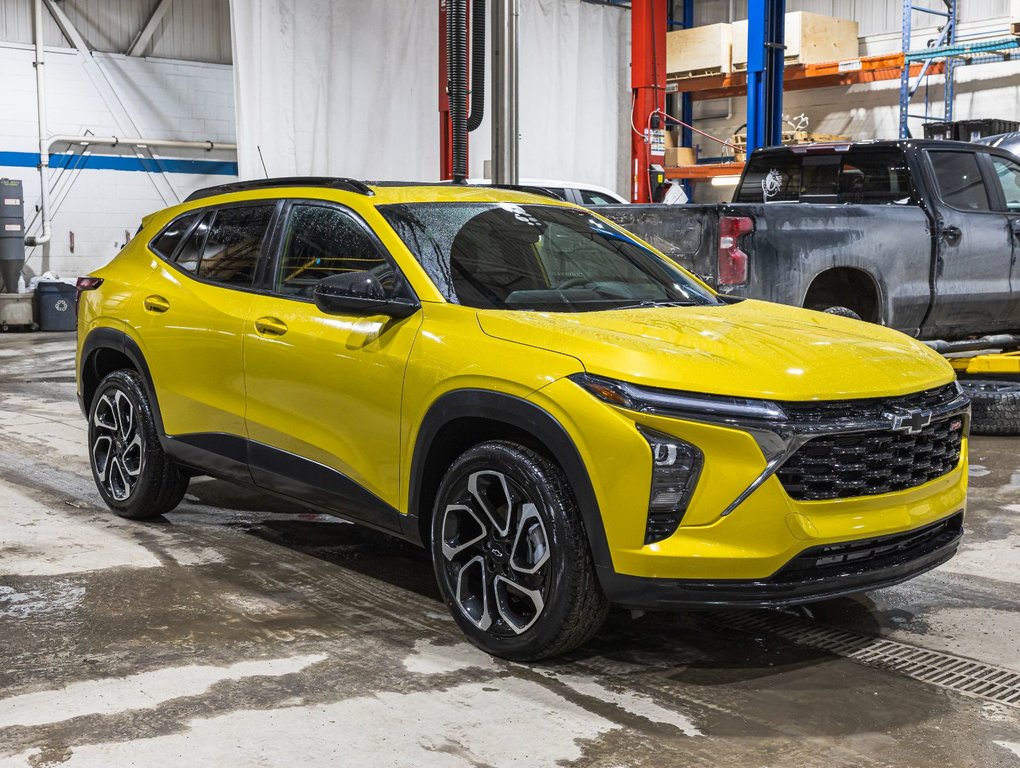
{"points": [[350, 88]]}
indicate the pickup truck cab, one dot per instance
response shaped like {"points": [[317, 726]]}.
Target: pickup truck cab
{"points": [[921, 236]]}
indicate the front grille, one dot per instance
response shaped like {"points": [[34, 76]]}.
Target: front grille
{"points": [[866, 409], [868, 463], [853, 557]]}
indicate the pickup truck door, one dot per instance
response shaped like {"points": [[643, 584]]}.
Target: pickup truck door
{"points": [[1007, 182], [973, 247]]}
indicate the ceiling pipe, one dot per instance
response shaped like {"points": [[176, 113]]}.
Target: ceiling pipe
{"points": [[44, 156], [113, 141]]}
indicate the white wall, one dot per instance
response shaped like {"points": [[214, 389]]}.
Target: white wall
{"points": [[350, 88], [167, 99]]}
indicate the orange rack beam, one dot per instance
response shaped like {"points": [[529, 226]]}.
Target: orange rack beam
{"points": [[868, 69], [704, 171]]}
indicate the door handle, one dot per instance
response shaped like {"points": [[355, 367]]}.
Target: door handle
{"points": [[156, 304], [951, 234], [270, 326], [1016, 227]]}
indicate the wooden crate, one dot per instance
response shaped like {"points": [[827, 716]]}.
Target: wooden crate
{"points": [[698, 51], [677, 156], [739, 140], [811, 38]]}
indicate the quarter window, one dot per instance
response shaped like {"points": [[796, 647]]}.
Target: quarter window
{"points": [[322, 241], [960, 182], [1008, 174], [168, 240]]}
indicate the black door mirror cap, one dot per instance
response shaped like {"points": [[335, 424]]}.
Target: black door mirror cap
{"points": [[359, 293]]}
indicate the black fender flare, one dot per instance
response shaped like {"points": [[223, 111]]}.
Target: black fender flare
{"points": [[111, 338], [522, 415]]}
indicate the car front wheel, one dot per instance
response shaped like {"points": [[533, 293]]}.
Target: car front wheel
{"points": [[511, 555]]}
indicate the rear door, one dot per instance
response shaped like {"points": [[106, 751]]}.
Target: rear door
{"points": [[974, 247], [195, 303], [1006, 173]]}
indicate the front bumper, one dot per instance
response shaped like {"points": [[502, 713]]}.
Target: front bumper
{"points": [[817, 573]]}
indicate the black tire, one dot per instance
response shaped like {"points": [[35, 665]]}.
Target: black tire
{"points": [[842, 312], [134, 476], [995, 406], [532, 542]]}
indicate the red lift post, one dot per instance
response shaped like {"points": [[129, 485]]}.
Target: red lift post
{"points": [[649, 19], [445, 123]]}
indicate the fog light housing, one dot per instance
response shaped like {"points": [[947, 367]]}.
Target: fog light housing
{"points": [[676, 466]]}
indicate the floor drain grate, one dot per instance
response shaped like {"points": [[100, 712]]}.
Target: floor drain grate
{"points": [[966, 676]]}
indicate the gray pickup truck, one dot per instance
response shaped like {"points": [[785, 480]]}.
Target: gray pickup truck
{"points": [[921, 236]]}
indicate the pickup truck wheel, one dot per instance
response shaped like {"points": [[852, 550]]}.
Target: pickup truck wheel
{"points": [[511, 555], [842, 312], [995, 406]]}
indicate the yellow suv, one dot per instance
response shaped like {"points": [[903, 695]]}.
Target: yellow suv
{"points": [[564, 416]]}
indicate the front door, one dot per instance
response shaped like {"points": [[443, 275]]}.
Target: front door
{"points": [[974, 249], [324, 391], [1007, 178]]}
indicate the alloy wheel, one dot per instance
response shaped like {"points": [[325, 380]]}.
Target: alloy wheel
{"points": [[117, 444], [495, 550]]}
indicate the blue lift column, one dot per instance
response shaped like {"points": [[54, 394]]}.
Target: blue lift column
{"points": [[765, 49]]}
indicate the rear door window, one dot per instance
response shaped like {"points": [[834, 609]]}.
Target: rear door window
{"points": [[233, 245], [959, 179], [226, 245], [875, 177]]}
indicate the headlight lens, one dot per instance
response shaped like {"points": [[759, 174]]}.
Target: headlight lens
{"points": [[676, 466], [675, 403]]}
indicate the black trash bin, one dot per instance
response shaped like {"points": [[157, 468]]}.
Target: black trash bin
{"points": [[54, 306]]}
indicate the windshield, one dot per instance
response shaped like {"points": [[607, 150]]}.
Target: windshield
{"points": [[539, 257]]}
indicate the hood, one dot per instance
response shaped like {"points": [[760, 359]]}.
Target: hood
{"points": [[748, 349]]}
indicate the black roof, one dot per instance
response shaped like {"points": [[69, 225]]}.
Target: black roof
{"points": [[842, 146], [348, 185], [345, 184]]}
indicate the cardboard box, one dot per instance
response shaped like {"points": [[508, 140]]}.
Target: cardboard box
{"points": [[699, 50], [811, 38], [676, 156]]}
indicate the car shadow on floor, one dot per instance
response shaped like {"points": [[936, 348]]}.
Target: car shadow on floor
{"points": [[701, 645]]}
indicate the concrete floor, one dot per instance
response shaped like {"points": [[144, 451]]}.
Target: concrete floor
{"points": [[243, 632]]}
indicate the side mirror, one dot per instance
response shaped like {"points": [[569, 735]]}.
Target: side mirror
{"points": [[359, 293]]}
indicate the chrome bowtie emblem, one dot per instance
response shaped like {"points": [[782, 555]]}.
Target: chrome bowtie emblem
{"points": [[909, 420]]}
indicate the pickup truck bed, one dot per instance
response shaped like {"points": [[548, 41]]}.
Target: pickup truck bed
{"points": [[922, 236]]}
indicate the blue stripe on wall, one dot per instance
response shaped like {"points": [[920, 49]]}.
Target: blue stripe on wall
{"points": [[121, 163]]}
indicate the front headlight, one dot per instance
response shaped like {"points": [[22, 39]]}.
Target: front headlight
{"points": [[668, 402]]}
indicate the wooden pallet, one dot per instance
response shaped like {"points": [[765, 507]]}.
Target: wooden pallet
{"points": [[692, 73], [793, 137]]}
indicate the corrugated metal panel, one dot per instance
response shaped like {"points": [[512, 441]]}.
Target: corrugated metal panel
{"points": [[193, 30], [876, 17]]}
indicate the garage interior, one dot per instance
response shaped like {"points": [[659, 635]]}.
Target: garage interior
{"points": [[245, 629]]}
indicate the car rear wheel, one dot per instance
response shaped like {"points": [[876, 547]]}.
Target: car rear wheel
{"points": [[511, 555], [134, 476]]}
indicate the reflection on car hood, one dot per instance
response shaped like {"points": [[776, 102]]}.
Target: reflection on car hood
{"points": [[748, 349]]}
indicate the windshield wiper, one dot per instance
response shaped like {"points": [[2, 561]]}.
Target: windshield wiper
{"points": [[658, 303]]}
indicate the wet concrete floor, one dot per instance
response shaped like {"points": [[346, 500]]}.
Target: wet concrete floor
{"points": [[241, 631]]}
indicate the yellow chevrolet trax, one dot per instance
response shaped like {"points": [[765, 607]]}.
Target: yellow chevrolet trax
{"points": [[561, 414]]}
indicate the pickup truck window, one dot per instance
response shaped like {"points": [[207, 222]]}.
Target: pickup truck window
{"points": [[959, 179], [863, 177], [875, 177], [1008, 174]]}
